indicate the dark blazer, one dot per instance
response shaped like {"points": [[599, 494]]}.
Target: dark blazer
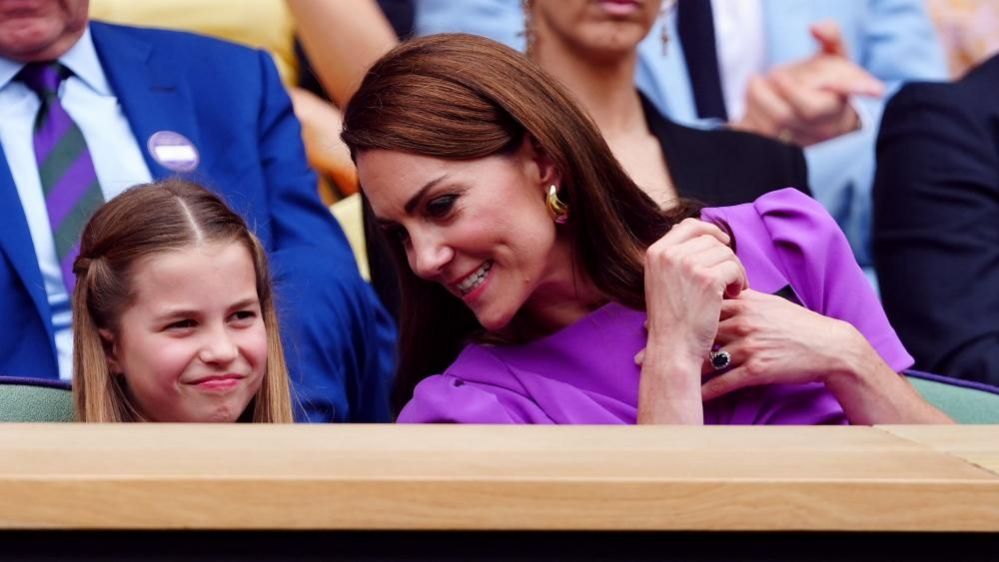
{"points": [[936, 222], [229, 101], [722, 167]]}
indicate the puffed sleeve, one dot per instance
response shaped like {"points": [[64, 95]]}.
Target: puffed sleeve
{"points": [[815, 256]]}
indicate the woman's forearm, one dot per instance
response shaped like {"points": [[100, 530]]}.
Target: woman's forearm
{"points": [[670, 389], [871, 392]]}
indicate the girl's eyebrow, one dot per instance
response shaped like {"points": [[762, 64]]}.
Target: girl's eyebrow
{"points": [[243, 303], [175, 313]]}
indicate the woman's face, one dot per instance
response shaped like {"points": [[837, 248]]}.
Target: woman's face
{"points": [[479, 228], [192, 346], [596, 28]]}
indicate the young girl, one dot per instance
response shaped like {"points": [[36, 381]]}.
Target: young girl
{"points": [[173, 313]]}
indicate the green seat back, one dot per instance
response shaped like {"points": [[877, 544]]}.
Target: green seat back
{"points": [[963, 402], [22, 400]]}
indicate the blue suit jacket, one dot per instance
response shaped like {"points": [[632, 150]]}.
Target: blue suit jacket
{"points": [[229, 101], [893, 39]]}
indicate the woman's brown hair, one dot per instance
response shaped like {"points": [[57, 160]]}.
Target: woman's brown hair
{"points": [[143, 221], [462, 97]]}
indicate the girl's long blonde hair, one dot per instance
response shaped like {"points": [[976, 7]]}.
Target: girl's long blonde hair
{"points": [[142, 221]]}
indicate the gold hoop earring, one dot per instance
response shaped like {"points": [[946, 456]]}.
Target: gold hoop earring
{"points": [[556, 207]]}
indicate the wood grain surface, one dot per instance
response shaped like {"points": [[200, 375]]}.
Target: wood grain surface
{"points": [[885, 478]]}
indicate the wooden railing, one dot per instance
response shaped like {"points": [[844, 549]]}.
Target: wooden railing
{"points": [[339, 477]]}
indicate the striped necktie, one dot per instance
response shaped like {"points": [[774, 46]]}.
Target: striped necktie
{"points": [[65, 168]]}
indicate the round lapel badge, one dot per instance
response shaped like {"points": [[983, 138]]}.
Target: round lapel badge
{"points": [[173, 151]]}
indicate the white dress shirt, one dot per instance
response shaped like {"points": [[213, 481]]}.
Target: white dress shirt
{"points": [[740, 42], [118, 161]]}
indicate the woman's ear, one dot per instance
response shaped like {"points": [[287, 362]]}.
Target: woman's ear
{"points": [[110, 351], [542, 168]]}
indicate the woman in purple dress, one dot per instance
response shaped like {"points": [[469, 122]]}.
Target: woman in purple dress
{"points": [[543, 286]]}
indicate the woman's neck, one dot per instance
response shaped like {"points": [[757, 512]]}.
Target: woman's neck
{"points": [[605, 87], [565, 295]]}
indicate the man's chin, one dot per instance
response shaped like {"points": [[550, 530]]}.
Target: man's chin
{"points": [[34, 42]]}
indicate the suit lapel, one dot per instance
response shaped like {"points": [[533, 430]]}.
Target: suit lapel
{"points": [[16, 243], [149, 87], [686, 157]]}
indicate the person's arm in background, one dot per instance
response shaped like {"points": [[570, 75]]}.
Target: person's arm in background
{"points": [[888, 41], [321, 124], [936, 226], [342, 39], [894, 42], [899, 44], [339, 340]]}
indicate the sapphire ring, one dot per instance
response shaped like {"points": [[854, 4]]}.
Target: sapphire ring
{"points": [[720, 359]]}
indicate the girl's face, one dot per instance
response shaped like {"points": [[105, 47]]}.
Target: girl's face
{"points": [[595, 28], [479, 228], [192, 346]]}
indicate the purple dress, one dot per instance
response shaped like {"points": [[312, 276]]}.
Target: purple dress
{"points": [[586, 373]]}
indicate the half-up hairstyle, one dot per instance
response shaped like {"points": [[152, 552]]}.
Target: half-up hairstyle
{"points": [[463, 97], [143, 221]]}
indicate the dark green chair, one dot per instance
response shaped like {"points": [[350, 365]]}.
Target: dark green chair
{"points": [[35, 400], [964, 401]]}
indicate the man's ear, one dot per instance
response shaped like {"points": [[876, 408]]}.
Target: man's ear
{"points": [[110, 351], [543, 169]]}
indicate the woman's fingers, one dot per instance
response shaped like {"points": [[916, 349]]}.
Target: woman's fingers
{"points": [[733, 276], [737, 378], [692, 228], [735, 356], [700, 253]]}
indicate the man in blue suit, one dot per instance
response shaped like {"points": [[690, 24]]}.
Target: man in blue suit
{"points": [[153, 104]]}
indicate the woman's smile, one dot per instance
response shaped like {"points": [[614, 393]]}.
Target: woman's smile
{"points": [[474, 281]]}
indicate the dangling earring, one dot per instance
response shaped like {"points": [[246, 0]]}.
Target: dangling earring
{"points": [[530, 38], [667, 6], [556, 207]]}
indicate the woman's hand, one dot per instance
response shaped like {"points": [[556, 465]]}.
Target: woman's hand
{"points": [[687, 273], [772, 340]]}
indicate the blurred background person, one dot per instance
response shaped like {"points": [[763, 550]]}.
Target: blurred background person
{"points": [[592, 49], [936, 222], [968, 29], [806, 71]]}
